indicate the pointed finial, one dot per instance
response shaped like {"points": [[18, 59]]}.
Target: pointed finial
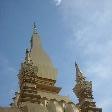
{"points": [[76, 66], [79, 74], [27, 51], [34, 28], [27, 58]]}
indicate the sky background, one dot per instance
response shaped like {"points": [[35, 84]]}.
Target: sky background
{"points": [[70, 30]]}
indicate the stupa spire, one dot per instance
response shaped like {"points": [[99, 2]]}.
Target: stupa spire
{"points": [[79, 75], [35, 35], [40, 58], [83, 91], [34, 28]]}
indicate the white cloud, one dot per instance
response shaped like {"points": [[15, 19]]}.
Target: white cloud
{"points": [[90, 23], [58, 2]]}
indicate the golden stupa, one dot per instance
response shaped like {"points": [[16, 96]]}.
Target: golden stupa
{"points": [[38, 93]]}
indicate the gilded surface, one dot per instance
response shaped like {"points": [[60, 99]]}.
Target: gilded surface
{"points": [[38, 92], [41, 59]]}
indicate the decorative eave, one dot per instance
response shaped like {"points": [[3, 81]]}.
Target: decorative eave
{"points": [[47, 88]]}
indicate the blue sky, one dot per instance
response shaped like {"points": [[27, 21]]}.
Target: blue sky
{"points": [[70, 30]]}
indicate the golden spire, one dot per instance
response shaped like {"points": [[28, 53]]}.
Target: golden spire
{"points": [[83, 91], [35, 34], [34, 28], [79, 74], [28, 57], [40, 58]]}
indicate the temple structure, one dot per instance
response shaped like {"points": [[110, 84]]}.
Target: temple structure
{"points": [[38, 93], [83, 91]]}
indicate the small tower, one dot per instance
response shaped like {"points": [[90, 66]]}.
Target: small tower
{"points": [[83, 91]]}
